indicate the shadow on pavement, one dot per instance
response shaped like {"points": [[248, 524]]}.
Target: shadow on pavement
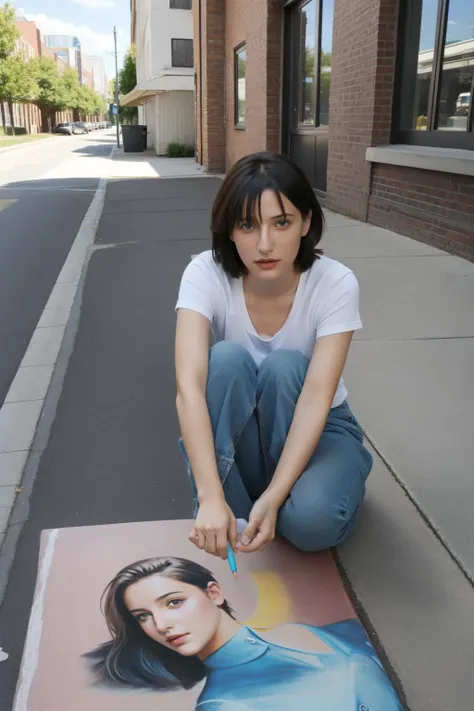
{"points": [[38, 224], [112, 452]]}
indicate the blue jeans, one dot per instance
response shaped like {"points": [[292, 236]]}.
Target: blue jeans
{"points": [[251, 411]]}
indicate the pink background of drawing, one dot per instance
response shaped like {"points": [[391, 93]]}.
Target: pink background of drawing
{"points": [[86, 559]]}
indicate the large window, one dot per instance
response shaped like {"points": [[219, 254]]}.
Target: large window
{"points": [[240, 65], [314, 38], [434, 101], [182, 53], [181, 4]]}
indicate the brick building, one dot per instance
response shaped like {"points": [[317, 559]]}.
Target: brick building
{"points": [[30, 44], [373, 98]]}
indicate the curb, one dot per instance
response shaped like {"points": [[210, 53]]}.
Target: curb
{"points": [[26, 411]]}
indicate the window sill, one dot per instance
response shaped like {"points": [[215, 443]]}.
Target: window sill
{"points": [[443, 160]]}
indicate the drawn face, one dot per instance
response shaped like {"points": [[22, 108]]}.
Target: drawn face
{"points": [[269, 245], [179, 616]]}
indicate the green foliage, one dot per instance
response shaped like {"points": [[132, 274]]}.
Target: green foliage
{"points": [[100, 104], [179, 150], [70, 87], [38, 81], [111, 87], [8, 131], [17, 84], [52, 92], [128, 114], [9, 32], [128, 74]]}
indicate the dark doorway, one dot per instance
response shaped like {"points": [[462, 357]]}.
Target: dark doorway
{"points": [[307, 81]]}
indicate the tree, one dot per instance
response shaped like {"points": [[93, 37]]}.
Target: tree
{"points": [[86, 101], [73, 96], [128, 73], [127, 82], [111, 87], [100, 104], [16, 83], [51, 94], [9, 34]]}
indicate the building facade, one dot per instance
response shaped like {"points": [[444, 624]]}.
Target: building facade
{"points": [[68, 49], [27, 117], [95, 66], [372, 98], [162, 31]]}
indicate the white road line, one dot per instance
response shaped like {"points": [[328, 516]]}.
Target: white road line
{"points": [[35, 628], [21, 411]]}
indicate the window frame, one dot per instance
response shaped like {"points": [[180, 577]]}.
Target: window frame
{"points": [[176, 7], [239, 126], [407, 42], [182, 66]]}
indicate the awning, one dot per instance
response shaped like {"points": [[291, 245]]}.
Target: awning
{"points": [[168, 81], [137, 97]]}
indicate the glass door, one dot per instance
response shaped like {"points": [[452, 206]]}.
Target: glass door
{"points": [[308, 49]]}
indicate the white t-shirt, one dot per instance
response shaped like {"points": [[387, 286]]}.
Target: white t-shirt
{"points": [[326, 302]]}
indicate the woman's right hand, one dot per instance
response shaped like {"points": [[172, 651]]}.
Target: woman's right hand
{"points": [[214, 526]]}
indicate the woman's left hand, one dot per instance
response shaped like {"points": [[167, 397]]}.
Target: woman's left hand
{"points": [[261, 525]]}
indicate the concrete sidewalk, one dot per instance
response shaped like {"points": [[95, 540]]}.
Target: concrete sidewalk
{"points": [[111, 428]]}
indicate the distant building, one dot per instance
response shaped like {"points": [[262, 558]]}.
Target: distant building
{"points": [[95, 65], [87, 78], [31, 44], [68, 49], [162, 31]]}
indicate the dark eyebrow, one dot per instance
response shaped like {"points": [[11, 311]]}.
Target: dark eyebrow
{"points": [[276, 217], [158, 599]]}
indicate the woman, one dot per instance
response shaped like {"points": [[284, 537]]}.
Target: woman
{"points": [[267, 433], [172, 628]]}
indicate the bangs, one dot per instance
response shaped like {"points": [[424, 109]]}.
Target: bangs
{"points": [[239, 199], [246, 203]]}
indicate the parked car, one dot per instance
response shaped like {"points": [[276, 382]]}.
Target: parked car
{"points": [[64, 128], [462, 104], [80, 127]]}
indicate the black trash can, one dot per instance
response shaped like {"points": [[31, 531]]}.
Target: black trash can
{"points": [[134, 138]]}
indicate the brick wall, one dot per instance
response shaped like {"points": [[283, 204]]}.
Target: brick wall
{"points": [[437, 208], [197, 80], [363, 65], [246, 22], [225, 24], [210, 106], [29, 32], [274, 74], [259, 25]]}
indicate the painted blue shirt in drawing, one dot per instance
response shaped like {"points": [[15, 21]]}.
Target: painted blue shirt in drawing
{"points": [[250, 674]]}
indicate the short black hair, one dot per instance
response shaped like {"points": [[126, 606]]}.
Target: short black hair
{"points": [[241, 193]]}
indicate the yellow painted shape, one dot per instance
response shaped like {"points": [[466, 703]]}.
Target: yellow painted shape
{"points": [[273, 603], [6, 203]]}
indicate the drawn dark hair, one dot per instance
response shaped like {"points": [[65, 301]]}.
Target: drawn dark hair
{"points": [[131, 657], [241, 192]]}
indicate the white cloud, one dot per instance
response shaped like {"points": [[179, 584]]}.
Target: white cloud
{"points": [[92, 42], [97, 4]]}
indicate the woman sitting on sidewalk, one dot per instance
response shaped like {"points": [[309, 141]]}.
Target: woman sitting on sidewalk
{"points": [[267, 433]]}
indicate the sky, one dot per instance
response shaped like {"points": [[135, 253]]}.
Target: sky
{"points": [[460, 22], [92, 21]]}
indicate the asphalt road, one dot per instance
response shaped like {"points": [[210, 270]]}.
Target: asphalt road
{"points": [[39, 220], [112, 454]]}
